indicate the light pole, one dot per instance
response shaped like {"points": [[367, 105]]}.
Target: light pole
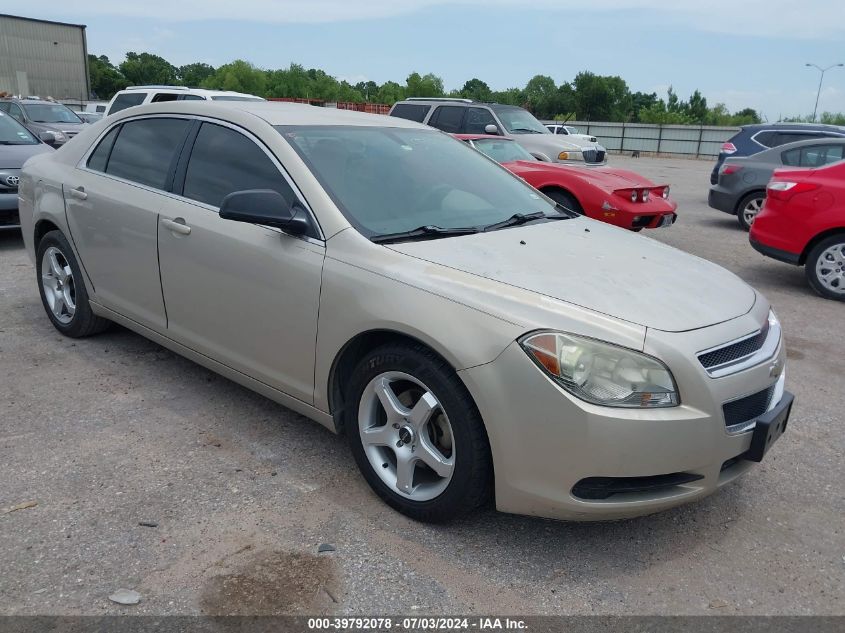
{"points": [[821, 79]]}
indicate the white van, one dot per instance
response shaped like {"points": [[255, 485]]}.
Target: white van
{"points": [[138, 95]]}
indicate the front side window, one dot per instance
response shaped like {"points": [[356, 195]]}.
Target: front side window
{"points": [[519, 121], [126, 100], [223, 161], [50, 113], [390, 180], [146, 149], [477, 120], [13, 133], [504, 151]]}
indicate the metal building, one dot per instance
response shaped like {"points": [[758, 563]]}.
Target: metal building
{"points": [[43, 58]]}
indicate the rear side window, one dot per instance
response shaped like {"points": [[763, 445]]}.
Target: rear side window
{"points": [[223, 161], [478, 119], [410, 111], [813, 156], [100, 156], [447, 118], [767, 139], [145, 149], [126, 100]]}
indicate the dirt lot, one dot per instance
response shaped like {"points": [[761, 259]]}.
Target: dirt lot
{"points": [[111, 431]]}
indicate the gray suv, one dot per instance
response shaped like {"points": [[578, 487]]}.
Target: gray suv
{"points": [[40, 115], [464, 116]]}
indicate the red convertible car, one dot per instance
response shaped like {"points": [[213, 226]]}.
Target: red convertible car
{"points": [[615, 196]]}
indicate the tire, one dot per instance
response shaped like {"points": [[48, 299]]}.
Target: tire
{"points": [[749, 207], [565, 199], [825, 267], [452, 432], [62, 288]]}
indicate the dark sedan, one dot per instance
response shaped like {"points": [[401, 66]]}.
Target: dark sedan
{"points": [[740, 187]]}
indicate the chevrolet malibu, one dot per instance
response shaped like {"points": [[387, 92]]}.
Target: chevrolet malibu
{"points": [[472, 339]]}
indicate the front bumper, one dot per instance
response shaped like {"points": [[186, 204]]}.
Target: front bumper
{"points": [[545, 441]]}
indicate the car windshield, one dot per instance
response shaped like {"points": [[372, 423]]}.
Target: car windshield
{"points": [[392, 180], [50, 113], [572, 130], [519, 121], [13, 133], [502, 150], [235, 98]]}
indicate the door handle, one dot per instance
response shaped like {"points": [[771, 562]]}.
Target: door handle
{"points": [[177, 226], [78, 193]]}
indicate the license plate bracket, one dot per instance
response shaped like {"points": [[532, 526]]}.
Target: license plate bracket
{"points": [[769, 427]]}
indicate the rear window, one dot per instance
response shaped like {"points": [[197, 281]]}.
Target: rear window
{"points": [[410, 111], [126, 100], [145, 150]]}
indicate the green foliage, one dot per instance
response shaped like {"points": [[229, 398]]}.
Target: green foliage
{"points": [[145, 68], [194, 75], [828, 118], [588, 97], [105, 78]]}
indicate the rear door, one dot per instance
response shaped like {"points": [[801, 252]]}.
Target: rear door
{"points": [[448, 118], [242, 294], [112, 202]]}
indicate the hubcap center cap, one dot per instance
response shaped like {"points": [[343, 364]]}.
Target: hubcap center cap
{"points": [[406, 435]]}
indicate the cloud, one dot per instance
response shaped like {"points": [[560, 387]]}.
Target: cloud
{"points": [[771, 18]]}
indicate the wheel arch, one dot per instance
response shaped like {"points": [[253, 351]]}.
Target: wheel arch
{"points": [[742, 198], [41, 228], [818, 238], [353, 351]]}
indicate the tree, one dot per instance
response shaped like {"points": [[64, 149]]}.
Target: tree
{"points": [[429, 85], [194, 74], [105, 79], [601, 98], [239, 76], [511, 96], [145, 68], [697, 107], [369, 89], [541, 96], [476, 90], [390, 92]]}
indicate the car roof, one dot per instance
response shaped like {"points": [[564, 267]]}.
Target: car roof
{"points": [[186, 89], [27, 100], [758, 127], [273, 112]]}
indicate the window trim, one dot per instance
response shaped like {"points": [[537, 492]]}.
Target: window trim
{"points": [[82, 165]]}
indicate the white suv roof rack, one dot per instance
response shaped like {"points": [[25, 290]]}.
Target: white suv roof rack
{"points": [[157, 87], [440, 99]]}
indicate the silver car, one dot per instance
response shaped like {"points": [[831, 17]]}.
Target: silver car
{"points": [[473, 340]]}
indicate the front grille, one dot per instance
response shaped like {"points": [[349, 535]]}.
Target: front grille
{"points": [[742, 411], [605, 487], [735, 351], [593, 156], [9, 218]]}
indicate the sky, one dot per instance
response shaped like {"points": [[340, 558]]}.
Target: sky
{"points": [[744, 53]]}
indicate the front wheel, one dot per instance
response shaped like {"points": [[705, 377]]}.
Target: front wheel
{"points": [[565, 199], [825, 267], [748, 208], [62, 288], [416, 434]]}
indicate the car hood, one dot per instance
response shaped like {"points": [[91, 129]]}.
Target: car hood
{"points": [[607, 178], [599, 267], [551, 144], [14, 156]]}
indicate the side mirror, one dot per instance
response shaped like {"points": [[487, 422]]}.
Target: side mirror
{"points": [[48, 137], [491, 129], [267, 207]]}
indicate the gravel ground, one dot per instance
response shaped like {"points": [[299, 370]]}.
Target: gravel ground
{"points": [[111, 431]]}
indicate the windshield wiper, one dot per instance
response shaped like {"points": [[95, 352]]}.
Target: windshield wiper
{"points": [[516, 219], [423, 232]]}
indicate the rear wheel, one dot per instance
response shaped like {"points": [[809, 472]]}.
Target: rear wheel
{"points": [[565, 199], [62, 288], [825, 267], [749, 207], [416, 434]]}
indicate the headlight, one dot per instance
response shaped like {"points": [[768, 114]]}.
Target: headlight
{"points": [[665, 192], [602, 373], [59, 136]]}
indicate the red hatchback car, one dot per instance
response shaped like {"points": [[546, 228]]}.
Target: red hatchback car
{"points": [[615, 196], [803, 223]]}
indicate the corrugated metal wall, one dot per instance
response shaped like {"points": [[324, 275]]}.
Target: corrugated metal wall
{"points": [[683, 140], [43, 58]]}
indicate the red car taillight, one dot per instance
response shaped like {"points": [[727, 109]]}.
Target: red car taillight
{"points": [[634, 195], [728, 148], [784, 190], [727, 170]]}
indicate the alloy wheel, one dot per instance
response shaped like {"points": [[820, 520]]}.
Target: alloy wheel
{"points": [[750, 211], [406, 436], [58, 284]]}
